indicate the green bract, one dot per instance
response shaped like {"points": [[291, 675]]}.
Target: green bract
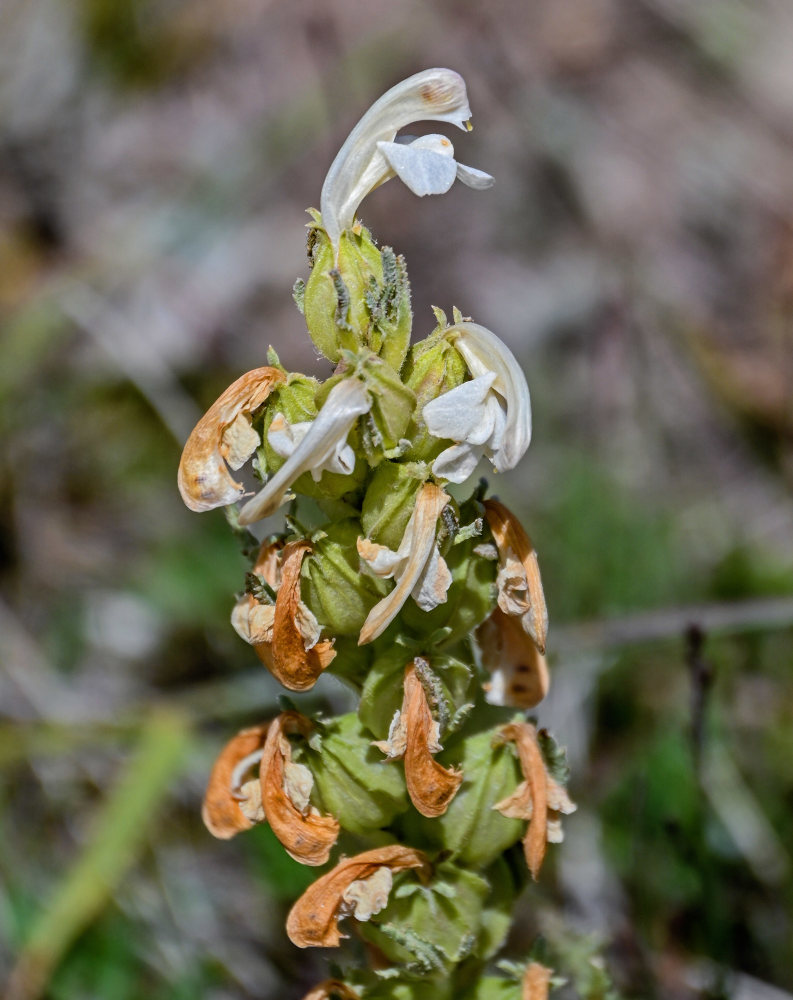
{"points": [[354, 784], [333, 586], [431, 926], [471, 829]]}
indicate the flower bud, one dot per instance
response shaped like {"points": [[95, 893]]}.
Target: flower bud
{"points": [[471, 829], [433, 926], [333, 585], [334, 303], [356, 787]]}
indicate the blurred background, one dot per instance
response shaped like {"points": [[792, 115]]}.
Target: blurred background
{"points": [[636, 253]]}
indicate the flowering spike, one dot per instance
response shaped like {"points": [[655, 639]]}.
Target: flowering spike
{"points": [[367, 457], [360, 167], [224, 435]]}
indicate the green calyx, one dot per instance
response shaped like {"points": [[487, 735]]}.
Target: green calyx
{"points": [[352, 782], [332, 584], [356, 298]]}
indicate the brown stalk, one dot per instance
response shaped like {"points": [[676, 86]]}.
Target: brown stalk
{"points": [[331, 989], [314, 919], [221, 811], [307, 836], [224, 434], [536, 982], [430, 785]]}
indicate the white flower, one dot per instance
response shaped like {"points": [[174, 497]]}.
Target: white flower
{"points": [[322, 445], [361, 166], [284, 438], [488, 415], [417, 565]]}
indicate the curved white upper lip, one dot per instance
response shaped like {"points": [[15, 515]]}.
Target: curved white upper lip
{"points": [[359, 167]]}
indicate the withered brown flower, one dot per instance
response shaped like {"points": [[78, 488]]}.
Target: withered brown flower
{"points": [[285, 636], [224, 435], [536, 982], [230, 805], [538, 798], [520, 592], [414, 736], [286, 786], [357, 886], [519, 672]]}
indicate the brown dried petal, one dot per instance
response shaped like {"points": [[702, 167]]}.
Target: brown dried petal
{"points": [[430, 785], [223, 435], [536, 982], [222, 812], [296, 667], [524, 735], [512, 541], [520, 673], [307, 836], [332, 989], [314, 919]]}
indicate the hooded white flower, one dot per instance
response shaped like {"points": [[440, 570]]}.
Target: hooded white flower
{"points": [[362, 164], [488, 415], [323, 445], [417, 565], [285, 438]]}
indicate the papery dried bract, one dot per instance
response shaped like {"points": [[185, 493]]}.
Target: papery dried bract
{"points": [[518, 670], [224, 435], [417, 565], [313, 920], [227, 810], [307, 836], [297, 656], [414, 736], [520, 592], [536, 796], [332, 989], [536, 982]]}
